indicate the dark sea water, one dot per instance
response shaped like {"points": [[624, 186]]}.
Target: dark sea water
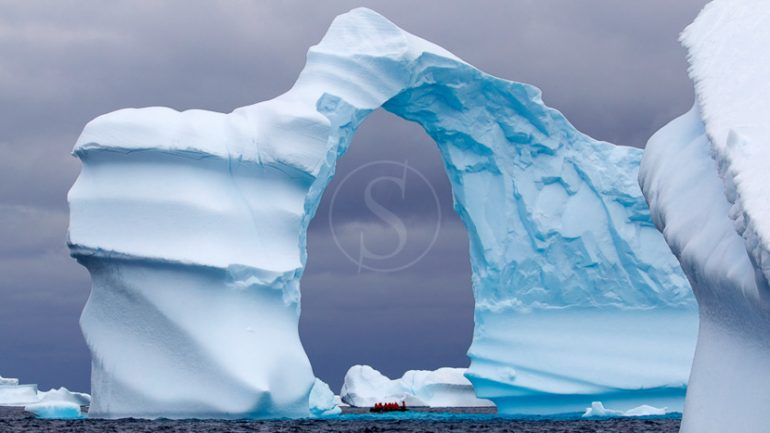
{"points": [[353, 420]]}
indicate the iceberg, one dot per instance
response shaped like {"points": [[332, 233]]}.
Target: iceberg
{"points": [[52, 404], [364, 386], [14, 394], [59, 404], [55, 410], [597, 410], [446, 387], [706, 177], [323, 402], [193, 227]]}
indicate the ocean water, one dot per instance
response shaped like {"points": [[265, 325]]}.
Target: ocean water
{"points": [[14, 420]]}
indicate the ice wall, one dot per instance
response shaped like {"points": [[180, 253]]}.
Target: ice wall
{"points": [[192, 225], [706, 176]]}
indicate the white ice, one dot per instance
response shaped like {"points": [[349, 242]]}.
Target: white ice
{"points": [[54, 403], [706, 176], [193, 227], [8, 381], [55, 409], [597, 410], [18, 395], [64, 395], [323, 402], [446, 387]]}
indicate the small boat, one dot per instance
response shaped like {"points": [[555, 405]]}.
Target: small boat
{"points": [[388, 407]]}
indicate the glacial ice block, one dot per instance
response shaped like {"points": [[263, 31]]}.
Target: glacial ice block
{"points": [[58, 404], [706, 176], [322, 401], [14, 394], [193, 226], [55, 410], [597, 410], [446, 387], [17, 395]]}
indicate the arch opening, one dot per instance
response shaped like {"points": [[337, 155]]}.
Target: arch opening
{"points": [[410, 306]]}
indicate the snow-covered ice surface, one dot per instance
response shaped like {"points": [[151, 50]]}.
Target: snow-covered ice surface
{"points": [[64, 395], [706, 176], [193, 227], [446, 387]]}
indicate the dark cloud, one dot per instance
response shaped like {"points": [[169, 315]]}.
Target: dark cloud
{"points": [[614, 68]]}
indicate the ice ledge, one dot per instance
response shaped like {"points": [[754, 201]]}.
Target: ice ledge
{"points": [[236, 276]]}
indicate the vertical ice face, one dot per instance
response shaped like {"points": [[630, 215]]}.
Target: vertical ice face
{"points": [[193, 228], [706, 176]]}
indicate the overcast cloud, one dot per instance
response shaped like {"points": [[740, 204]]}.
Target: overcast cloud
{"points": [[614, 68]]}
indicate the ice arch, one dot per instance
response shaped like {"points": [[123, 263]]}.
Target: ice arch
{"points": [[193, 226]]}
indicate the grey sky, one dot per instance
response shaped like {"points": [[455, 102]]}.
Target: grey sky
{"points": [[614, 68]]}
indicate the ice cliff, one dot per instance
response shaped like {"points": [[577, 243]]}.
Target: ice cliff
{"points": [[706, 176], [193, 228]]}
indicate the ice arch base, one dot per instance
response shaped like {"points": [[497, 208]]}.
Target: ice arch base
{"points": [[193, 227]]}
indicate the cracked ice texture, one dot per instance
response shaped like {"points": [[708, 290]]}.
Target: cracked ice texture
{"points": [[706, 176], [193, 227]]}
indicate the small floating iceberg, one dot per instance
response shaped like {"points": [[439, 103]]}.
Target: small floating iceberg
{"points": [[52, 404], [597, 410], [59, 404], [322, 401], [446, 387], [14, 394], [55, 409]]}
